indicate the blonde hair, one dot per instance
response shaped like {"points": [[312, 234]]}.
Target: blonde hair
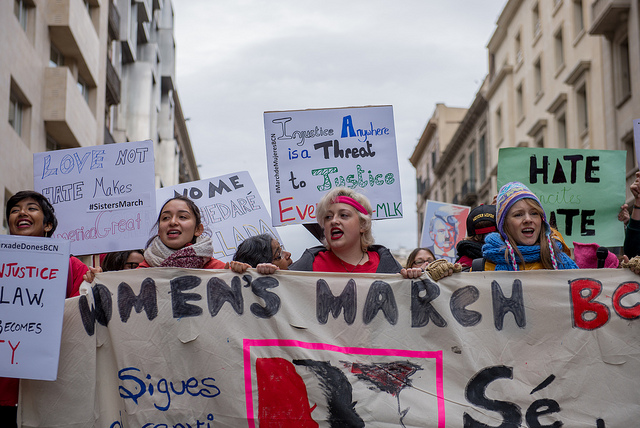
{"points": [[545, 253], [366, 237]]}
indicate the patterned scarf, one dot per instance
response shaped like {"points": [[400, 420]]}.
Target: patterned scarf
{"points": [[494, 251], [190, 256]]}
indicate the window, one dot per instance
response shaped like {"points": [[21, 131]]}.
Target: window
{"points": [[499, 135], [56, 59], [83, 88], [52, 144], [582, 108], [559, 49], [578, 18], [537, 75], [538, 139], [519, 103], [537, 25], [518, 49], [561, 124], [482, 159], [472, 171], [16, 113], [622, 70], [631, 158], [20, 10]]}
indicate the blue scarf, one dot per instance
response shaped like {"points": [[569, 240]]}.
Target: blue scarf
{"points": [[494, 251]]}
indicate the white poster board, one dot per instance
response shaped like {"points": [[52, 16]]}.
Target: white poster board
{"points": [[231, 210], [310, 152], [104, 196], [33, 282]]}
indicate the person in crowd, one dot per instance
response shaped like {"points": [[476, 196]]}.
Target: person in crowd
{"points": [[524, 241], [480, 222], [257, 251], [419, 258], [180, 241], [122, 260], [29, 213], [345, 216], [632, 234], [443, 231]]}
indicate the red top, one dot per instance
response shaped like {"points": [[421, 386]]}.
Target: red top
{"points": [[326, 261]]}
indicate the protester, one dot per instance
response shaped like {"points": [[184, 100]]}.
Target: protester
{"points": [[525, 240], [29, 213], [180, 241], [259, 251], [632, 234], [122, 260], [345, 216], [419, 258], [480, 222]]}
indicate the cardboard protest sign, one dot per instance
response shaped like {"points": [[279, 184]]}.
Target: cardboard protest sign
{"points": [[231, 209], [581, 190], [104, 196], [636, 138], [212, 348], [310, 152], [444, 226], [33, 282]]}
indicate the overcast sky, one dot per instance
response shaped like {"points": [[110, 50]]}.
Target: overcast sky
{"points": [[237, 59]]}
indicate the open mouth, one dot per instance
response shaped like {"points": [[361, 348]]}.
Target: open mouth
{"points": [[528, 232], [173, 233], [23, 224], [336, 233]]}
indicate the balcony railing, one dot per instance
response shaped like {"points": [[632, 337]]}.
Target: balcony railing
{"points": [[113, 85]]}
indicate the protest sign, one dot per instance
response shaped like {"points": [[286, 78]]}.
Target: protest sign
{"points": [[231, 210], [580, 190], [104, 196], [310, 152], [33, 282], [636, 137], [308, 349], [444, 226]]}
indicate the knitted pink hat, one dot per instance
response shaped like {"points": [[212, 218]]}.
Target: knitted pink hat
{"points": [[585, 256]]}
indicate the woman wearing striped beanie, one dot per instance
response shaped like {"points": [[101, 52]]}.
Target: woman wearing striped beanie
{"points": [[525, 240]]}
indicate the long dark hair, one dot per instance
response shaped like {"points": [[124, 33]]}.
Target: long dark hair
{"points": [[45, 206], [192, 206], [116, 260]]}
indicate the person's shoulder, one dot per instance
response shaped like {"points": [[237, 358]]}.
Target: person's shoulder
{"points": [[305, 262], [214, 264]]}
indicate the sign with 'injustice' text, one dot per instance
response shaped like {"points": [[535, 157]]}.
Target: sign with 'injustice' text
{"points": [[309, 152]]}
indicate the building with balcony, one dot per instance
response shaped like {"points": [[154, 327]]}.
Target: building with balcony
{"points": [[77, 73]]}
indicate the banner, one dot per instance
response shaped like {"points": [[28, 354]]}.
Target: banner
{"points": [[231, 209], [193, 348], [581, 190], [444, 226], [33, 282], [310, 152], [104, 196]]}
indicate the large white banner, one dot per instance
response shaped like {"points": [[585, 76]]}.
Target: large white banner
{"points": [[193, 348], [104, 196], [33, 282], [310, 152], [231, 208]]}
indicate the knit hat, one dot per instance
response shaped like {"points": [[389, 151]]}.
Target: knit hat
{"points": [[481, 213], [586, 256], [508, 195]]}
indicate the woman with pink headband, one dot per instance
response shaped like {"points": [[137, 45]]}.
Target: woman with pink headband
{"points": [[345, 216]]}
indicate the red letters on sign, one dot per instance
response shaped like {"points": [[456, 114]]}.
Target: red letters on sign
{"points": [[586, 304]]}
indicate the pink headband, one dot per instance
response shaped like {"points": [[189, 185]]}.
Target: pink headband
{"points": [[350, 201]]}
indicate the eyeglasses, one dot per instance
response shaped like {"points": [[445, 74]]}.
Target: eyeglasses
{"points": [[278, 254], [420, 262], [131, 265]]}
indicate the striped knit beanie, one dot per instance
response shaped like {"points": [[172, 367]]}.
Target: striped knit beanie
{"points": [[508, 195]]}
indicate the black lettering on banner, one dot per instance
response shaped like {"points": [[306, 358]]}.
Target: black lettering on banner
{"points": [[421, 308], [260, 287], [590, 169], [569, 214], [534, 170], [147, 300], [380, 297], [502, 304], [462, 298], [218, 292], [326, 302], [586, 219], [542, 407], [101, 311], [179, 299], [475, 394]]}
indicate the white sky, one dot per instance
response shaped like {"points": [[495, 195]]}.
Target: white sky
{"points": [[237, 59]]}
